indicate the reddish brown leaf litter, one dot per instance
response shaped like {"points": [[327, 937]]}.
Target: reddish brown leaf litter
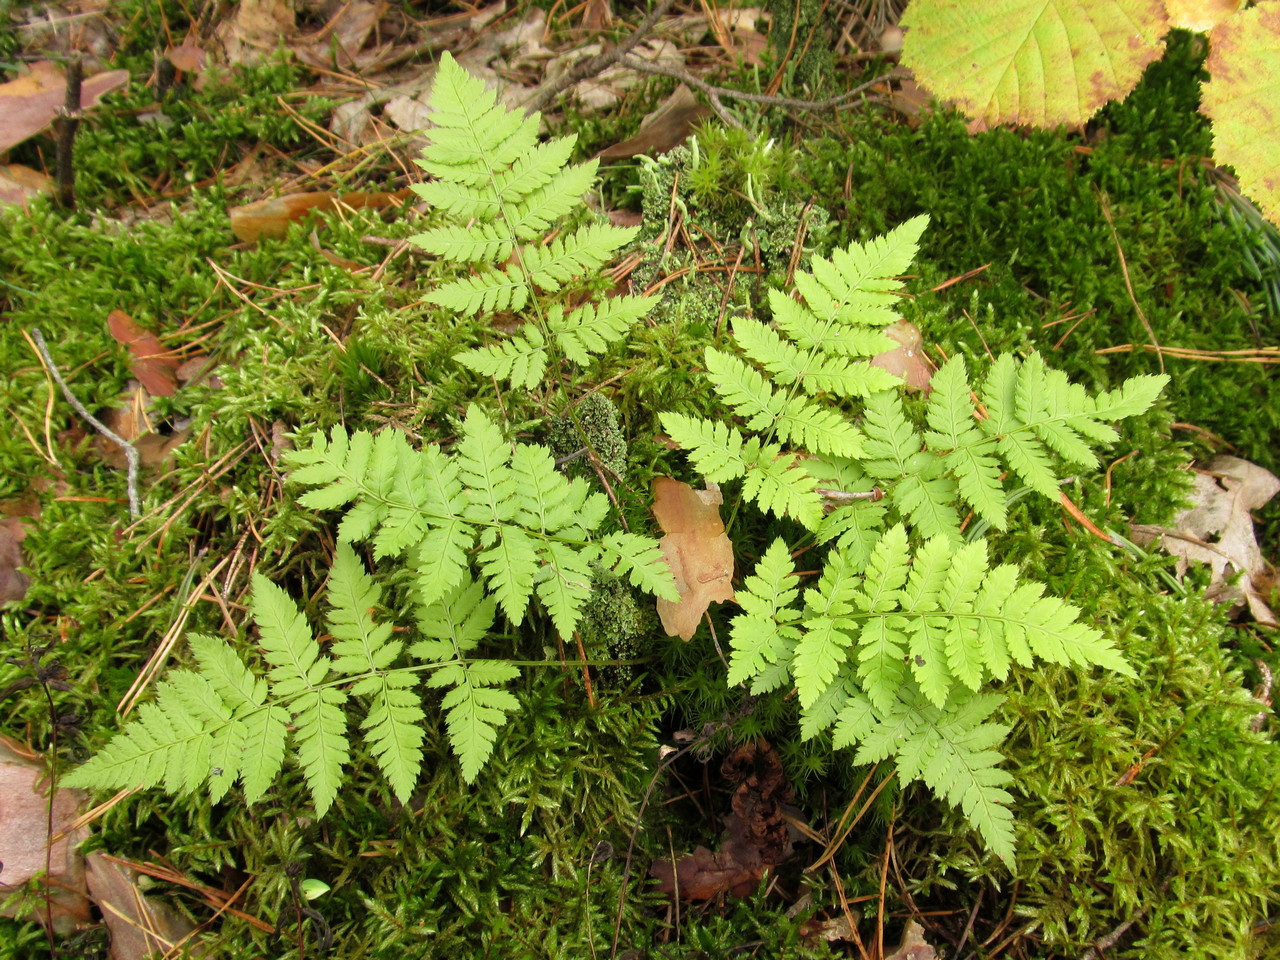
{"points": [[756, 833]]}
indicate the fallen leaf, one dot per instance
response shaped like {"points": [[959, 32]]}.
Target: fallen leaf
{"points": [[664, 129], [139, 925], [912, 946], [154, 365], [19, 184], [696, 549], [338, 43], [130, 423], [26, 817], [187, 57], [256, 30], [194, 368], [756, 833], [1240, 99], [1200, 15], [271, 218], [906, 360], [29, 103], [1226, 489], [597, 15], [13, 582]]}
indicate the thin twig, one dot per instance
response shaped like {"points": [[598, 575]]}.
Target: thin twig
{"points": [[592, 66], [66, 123], [1105, 943], [130, 451], [1124, 269], [714, 93]]}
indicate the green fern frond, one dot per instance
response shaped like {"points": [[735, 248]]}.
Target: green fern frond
{"points": [[955, 622], [592, 328], [508, 500], [586, 249], [825, 335], [502, 194], [817, 429], [489, 291], [775, 480], [521, 359], [640, 560], [761, 636], [891, 649], [479, 242], [857, 284], [473, 134], [474, 710], [948, 748]]}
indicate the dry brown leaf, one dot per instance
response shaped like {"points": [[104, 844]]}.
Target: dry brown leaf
{"points": [[25, 813], [19, 184], [30, 102], [597, 15], [1226, 489], [664, 129], [756, 832], [139, 926], [271, 218], [130, 423], [913, 946], [154, 365], [256, 30], [186, 57], [338, 44], [697, 551], [906, 360]]}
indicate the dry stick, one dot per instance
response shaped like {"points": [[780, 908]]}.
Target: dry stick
{"points": [[592, 66], [66, 123], [130, 451], [1103, 944], [714, 93]]}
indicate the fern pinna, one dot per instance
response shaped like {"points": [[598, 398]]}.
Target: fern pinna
{"points": [[502, 192], [498, 509], [890, 649]]}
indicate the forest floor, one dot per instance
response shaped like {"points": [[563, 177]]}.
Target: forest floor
{"points": [[230, 273]]}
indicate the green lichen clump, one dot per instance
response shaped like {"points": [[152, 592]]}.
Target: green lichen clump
{"points": [[590, 431]]}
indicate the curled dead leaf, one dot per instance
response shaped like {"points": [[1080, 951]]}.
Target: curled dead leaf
{"points": [[696, 549], [1226, 490], [664, 129], [154, 365], [271, 217], [31, 101], [18, 184], [24, 831]]}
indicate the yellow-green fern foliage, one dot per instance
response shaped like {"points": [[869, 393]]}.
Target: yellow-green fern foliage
{"points": [[511, 203], [893, 646], [490, 528]]}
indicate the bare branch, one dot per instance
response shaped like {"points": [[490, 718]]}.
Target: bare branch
{"points": [[130, 451]]}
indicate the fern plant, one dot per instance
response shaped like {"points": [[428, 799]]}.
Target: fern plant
{"points": [[504, 506], [890, 650], [509, 202]]}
